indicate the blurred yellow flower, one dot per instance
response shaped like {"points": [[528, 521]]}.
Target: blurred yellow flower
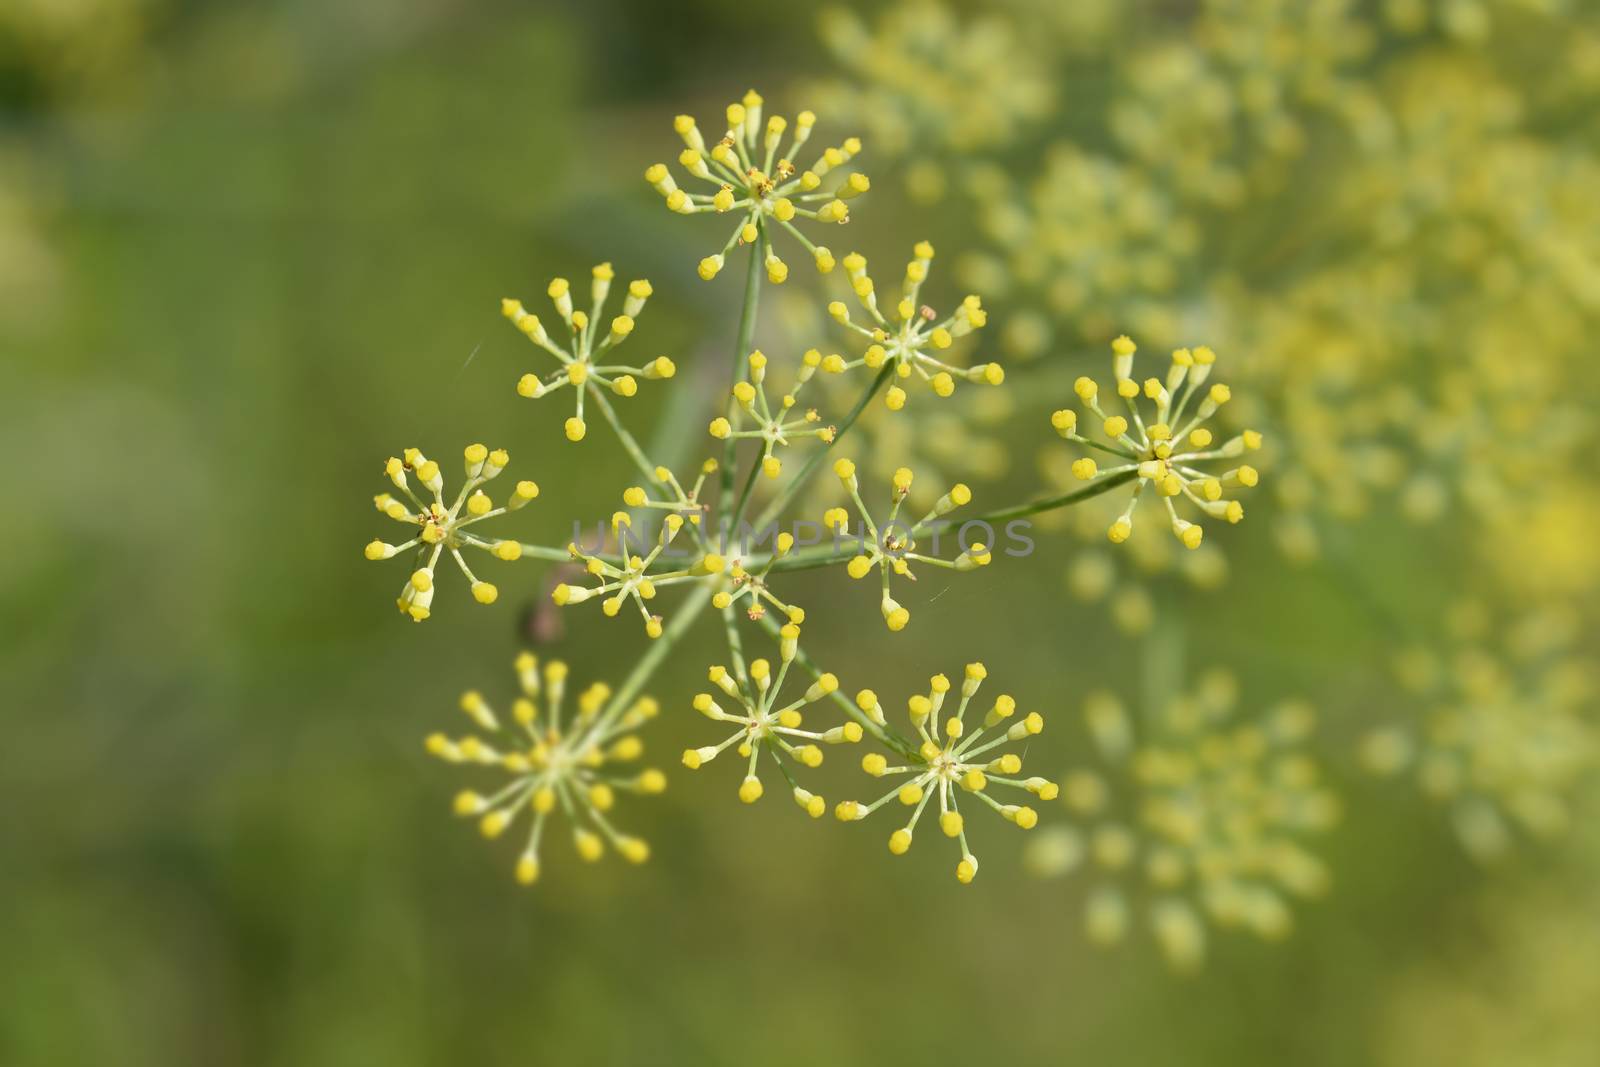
{"points": [[927, 84], [1193, 815], [1500, 731], [576, 766]]}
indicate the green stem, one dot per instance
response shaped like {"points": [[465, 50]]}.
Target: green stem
{"points": [[825, 554], [646, 666], [554, 555], [744, 495], [741, 349], [804, 475], [730, 455], [1021, 511], [735, 646], [628, 443], [808, 558]]}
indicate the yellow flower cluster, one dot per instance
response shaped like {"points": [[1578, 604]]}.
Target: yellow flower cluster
{"points": [[576, 767], [960, 439], [442, 527], [929, 85], [1087, 244], [890, 549], [671, 496], [773, 425], [580, 354], [554, 764], [950, 762], [908, 342], [1195, 816], [1216, 109], [752, 586], [1501, 733], [757, 179], [1163, 452], [1437, 368], [628, 576], [763, 721]]}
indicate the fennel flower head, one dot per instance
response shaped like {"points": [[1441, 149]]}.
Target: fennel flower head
{"points": [[1194, 815], [1165, 447], [957, 758], [442, 527], [890, 546], [554, 764], [586, 356], [765, 721], [753, 175], [913, 336]]}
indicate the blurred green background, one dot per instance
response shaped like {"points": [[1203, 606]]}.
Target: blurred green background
{"points": [[249, 250]]}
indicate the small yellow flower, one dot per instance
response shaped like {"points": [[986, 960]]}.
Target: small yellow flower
{"points": [[955, 758], [1163, 452], [550, 765], [763, 721], [773, 423], [627, 577], [754, 177], [892, 547], [581, 352], [906, 338], [442, 527]]}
